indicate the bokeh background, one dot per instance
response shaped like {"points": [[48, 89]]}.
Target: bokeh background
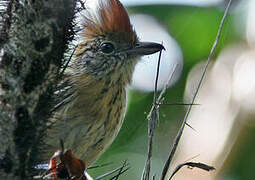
{"points": [[224, 128]]}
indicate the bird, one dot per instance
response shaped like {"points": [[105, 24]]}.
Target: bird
{"points": [[92, 95]]}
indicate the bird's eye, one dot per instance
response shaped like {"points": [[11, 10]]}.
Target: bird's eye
{"points": [[107, 48]]}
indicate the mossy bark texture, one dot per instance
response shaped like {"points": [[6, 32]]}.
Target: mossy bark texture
{"points": [[34, 35]]}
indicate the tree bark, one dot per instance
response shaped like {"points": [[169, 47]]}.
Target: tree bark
{"points": [[34, 35]]}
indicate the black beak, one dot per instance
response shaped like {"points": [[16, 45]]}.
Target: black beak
{"points": [[145, 48]]}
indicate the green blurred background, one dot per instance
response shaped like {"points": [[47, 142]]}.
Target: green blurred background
{"points": [[194, 29]]}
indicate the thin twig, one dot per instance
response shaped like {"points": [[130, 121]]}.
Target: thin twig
{"points": [[99, 166], [157, 77], [192, 158], [167, 83], [62, 145], [154, 177], [152, 119], [178, 104], [191, 165], [67, 63], [123, 171], [113, 171], [180, 132], [120, 172]]}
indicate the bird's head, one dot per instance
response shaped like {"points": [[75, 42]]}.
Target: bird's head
{"points": [[110, 46]]}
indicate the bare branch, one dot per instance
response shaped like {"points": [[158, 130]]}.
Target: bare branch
{"points": [[67, 63], [192, 165], [178, 104], [178, 137], [99, 166], [157, 77], [154, 177], [121, 170], [153, 118]]}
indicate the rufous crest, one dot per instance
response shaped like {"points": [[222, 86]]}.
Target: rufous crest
{"points": [[110, 17]]}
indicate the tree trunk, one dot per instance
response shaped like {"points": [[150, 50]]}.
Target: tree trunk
{"points": [[34, 36]]}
